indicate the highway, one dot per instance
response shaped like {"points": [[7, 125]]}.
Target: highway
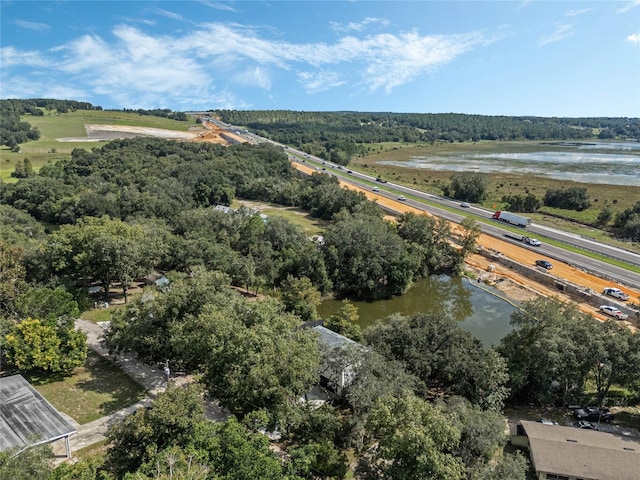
{"points": [[451, 210]]}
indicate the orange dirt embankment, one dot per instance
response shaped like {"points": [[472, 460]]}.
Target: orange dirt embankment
{"points": [[514, 252]]}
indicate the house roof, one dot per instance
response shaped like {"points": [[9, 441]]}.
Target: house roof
{"points": [[26, 418], [331, 339], [582, 453]]}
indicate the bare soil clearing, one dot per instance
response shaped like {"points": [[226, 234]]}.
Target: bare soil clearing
{"points": [[205, 133]]}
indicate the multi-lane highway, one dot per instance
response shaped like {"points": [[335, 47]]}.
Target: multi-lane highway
{"points": [[552, 239]]}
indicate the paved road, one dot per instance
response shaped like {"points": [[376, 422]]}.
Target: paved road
{"points": [[152, 379]]}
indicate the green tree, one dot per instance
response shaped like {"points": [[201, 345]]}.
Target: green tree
{"points": [[33, 463], [469, 186], [173, 419], [50, 346], [413, 439], [12, 278], [549, 352], [104, 249], [345, 321], [367, 258], [48, 304], [615, 358], [442, 356], [605, 216], [261, 359], [300, 297], [469, 237]]}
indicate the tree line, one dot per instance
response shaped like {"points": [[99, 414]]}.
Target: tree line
{"points": [[337, 136]]}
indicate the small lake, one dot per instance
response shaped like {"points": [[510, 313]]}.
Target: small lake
{"points": [[482, 314]]}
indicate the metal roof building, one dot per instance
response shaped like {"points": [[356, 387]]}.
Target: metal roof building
{"points": [[27, 418], [559, 452]]}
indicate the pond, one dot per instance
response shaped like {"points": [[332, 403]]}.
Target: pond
{"points": [[479, 312]]}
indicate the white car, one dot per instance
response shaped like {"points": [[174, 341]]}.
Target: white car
{"points": [[616, 293], [465, 205], [613, 312], [402, 198], [375, 189]]}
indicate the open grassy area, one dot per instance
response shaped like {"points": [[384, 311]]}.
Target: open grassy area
{"points": [[311, 226], [54, 125], [93, 391]]}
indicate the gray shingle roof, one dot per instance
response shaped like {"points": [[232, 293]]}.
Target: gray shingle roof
{"points": [[26, 418], [581, 453]]}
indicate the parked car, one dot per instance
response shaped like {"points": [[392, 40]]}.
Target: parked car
{"points": [[616, 293], [465, 205], [544, 264], [613, 312], [584, 424], [402, 198], [593, 414]]}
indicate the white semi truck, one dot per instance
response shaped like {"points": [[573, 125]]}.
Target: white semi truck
{"points": [[512, 218]]}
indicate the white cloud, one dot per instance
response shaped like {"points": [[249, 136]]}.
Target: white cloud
{"points": [[218, 5], [11, 57], [314, 82], [561, 32], [168, 14], [255, 77], [634, 38], [138, 68], [575, 13], [40, 27], [628, 6], [357, 26]]}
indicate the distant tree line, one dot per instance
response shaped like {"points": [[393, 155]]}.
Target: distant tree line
{"points": [[337, 136], [160, 112]]}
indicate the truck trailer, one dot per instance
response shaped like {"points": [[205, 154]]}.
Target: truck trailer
{"points": [[512, 218], [534, 242]]}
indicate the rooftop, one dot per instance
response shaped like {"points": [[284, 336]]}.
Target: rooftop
{"points": [[581, 453], [26, 418]]}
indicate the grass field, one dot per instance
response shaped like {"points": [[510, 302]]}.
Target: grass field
{"points": [[54, 125], [93, 391], [311, 226]]}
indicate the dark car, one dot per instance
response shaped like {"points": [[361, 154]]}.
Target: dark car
{"points": [[544, 264], [594, 414], [584, 424]]}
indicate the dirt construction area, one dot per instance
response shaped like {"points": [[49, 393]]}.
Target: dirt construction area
{"points": [[204, 132]]}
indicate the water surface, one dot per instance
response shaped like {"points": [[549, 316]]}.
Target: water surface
{"points": [[478, 312]]}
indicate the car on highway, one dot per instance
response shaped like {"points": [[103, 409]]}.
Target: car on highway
{"points": [[613, 312], [375, 189], [349, 171], [402, 198], [544, 264], [616, 293], [465, 205]]}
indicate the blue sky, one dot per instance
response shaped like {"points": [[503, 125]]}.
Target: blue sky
{"points": [[544, 58]]}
